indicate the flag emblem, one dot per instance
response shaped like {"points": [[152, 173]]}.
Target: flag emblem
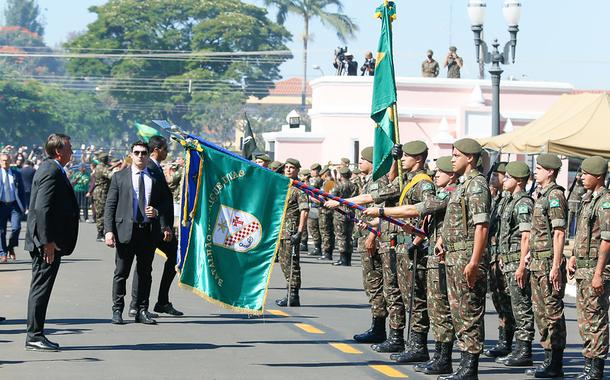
{"points": [[236, 230]]}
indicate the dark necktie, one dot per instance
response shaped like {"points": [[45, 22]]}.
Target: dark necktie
{"points": [[141, 199]]}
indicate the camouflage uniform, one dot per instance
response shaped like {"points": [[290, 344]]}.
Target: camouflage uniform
{"points": [[313, 226], [102, 184], [550, 211], [469, 205], [593, 228], [516, 219], [430, 69], [174, 184], [297, 202], [327, 231], [343, 225]]}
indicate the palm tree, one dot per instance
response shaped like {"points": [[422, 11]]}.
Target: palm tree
{"points": [[308, 10]]}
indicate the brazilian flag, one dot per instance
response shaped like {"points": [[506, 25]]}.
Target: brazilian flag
{"points": [[232, 213], [384, 94], [145, 132]]}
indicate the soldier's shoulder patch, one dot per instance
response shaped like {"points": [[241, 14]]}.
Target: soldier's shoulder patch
{"points": [[427, 186], [475, 188], [523, 209], [442, 195], [606, 205], [554, 203]]}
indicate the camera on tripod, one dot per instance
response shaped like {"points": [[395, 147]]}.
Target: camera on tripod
{"points": [[344, 62]]}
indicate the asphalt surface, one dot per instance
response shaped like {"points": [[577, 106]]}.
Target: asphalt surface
{"points": [[313, 341]]}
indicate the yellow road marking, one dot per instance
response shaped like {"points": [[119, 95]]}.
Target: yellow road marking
{"points": [[279, 313], [345, 348], [388, 371], [308, 328]]}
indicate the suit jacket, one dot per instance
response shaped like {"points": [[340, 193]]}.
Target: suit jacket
{"points": [[27, 174], [54, 212], [167, 195], [118, 213], [19, 188]]}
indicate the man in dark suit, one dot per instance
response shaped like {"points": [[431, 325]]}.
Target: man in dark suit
{"points": [[52, 230], [157, 146], [12, 206], [135, 220], [27, 174]]}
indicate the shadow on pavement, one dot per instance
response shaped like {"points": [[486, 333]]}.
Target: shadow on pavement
{"points": [[87, 360], [154, 347], [296, 342], [317, 288], [341, 306]]}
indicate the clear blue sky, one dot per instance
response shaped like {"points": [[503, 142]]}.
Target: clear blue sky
{"points": [[559, 40]]}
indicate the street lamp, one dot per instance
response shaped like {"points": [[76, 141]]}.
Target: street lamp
{"points": [[512, 14], [317, 67]]}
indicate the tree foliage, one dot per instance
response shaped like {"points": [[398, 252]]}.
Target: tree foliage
{"points": [[24, 13]]}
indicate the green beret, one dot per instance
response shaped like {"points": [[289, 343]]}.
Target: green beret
{"points": [[294, 162], [345, 172], [345, 160], [595, 165], [356, 171], [316, 166], [275, 165], [501, 167], [367, 154], [468, 146], [444, 164], [414, 148], [549, 161], [305, 172], [263, 157], [518, 169], [324, 170]]}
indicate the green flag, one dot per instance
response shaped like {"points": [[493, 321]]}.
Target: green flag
{"points": [[234, 232], [384, 94], [145, 132]]}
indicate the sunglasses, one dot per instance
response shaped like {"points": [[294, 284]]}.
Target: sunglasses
{"points": [[140, 153]]}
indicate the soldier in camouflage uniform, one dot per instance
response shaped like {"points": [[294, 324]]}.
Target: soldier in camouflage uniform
{"points": [[497, 285], [433, 208], [513, 245], [325, 221], [103, 175], [463, 240], [313, 226], [304, 176], [343, 224], [294, 223], [589, 263], [548, 265], [175, 180], [358, 180], [263, 160]]}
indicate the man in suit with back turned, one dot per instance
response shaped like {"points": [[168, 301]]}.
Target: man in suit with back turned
{"points": [[135, 220], [52, 230]]}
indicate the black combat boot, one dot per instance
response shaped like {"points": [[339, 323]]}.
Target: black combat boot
{"points": [[539, 367], [550, 368], [520, 357], [586, 370], [291, 299], [328, 255], [443, 364], [503, 347], [394, 343], [376, 334], [100, 236], [342, 260], [317, 250], [421, 366], [468, 369], [597, 370], [416, 351]]}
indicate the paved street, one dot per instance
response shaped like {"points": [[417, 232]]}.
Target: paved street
{"points": [[313, 341]]}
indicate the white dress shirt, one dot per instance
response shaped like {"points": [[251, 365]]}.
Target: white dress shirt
{"points": [[8, 186], [135, 182]]}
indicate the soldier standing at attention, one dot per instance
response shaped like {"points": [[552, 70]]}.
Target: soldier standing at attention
{"points": [[262, 160], [589, 264], [463, 242], [429, 68], [513, 246], [304, 176], [103, 175], [343, 224], [294, 223], [325, 221], [548, 266], [497, 283], [313, 226]]}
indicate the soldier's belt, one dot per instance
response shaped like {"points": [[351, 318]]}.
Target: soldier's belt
{"points": [[459, 246], [511, 257], [542, 255], [586, 263]]}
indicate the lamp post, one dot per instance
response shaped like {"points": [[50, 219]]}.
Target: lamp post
{"points": [[512, 14]]}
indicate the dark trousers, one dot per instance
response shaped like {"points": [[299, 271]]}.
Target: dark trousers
{"points": [[142, 247], [9, 212], [83, 203], [43, 278], [169, 272]]}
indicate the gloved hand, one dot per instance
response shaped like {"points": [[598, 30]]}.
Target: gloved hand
{"points": [[411, 251], [397, 151], [296, 238]]}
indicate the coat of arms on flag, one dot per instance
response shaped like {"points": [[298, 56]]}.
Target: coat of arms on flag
{"points": [[236, 230]]}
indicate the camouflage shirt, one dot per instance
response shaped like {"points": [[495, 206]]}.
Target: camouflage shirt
{"points": [[469, 205], [345, 189], [102, 179], [316, 182], [418, 193], [516, 218], [297, 202], [593, 227], [429, 69], [387, 194], [550, 211], [498, 204]]}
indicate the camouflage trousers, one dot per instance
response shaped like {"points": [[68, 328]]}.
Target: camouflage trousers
{"points": [[521, 302], [438, 302], [420, 322], [467, 305], [391, 291], [313, 228], [343, 233], [99, 200], [500, 295], [372, 281], [327, 231], [548, 306], [286, 255], [593, 319]]}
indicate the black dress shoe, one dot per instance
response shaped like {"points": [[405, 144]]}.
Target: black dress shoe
{"points": [[167, 309], [2, 319], [145, 317], [42, 344], [133, 312], [117, 317]]}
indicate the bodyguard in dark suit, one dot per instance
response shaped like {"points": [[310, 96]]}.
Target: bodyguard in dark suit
{"points": [[135, 220], [52, 230], [12, 206], [157, 145]]}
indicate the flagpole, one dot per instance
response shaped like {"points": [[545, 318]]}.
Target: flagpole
{"points": [[397, 134]]}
